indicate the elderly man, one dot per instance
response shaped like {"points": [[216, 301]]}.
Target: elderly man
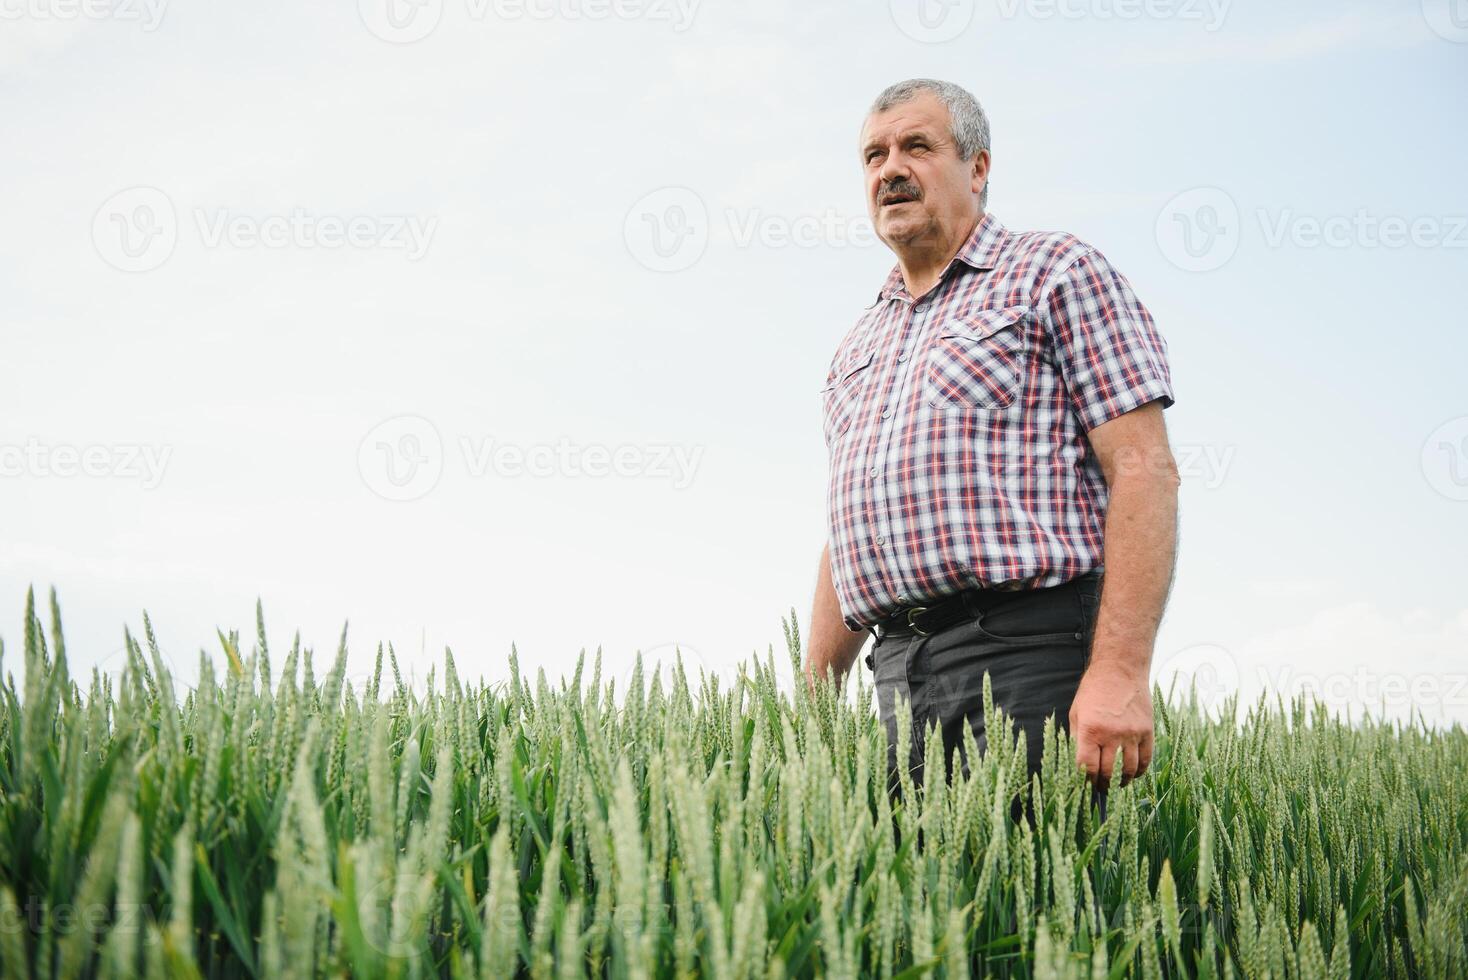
{"points": [[994, 424]]}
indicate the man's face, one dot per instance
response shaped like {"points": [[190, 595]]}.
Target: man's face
{"points": [[919, 191]]}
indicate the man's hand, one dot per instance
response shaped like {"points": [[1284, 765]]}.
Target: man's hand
{"points": [[1111, 713], [1112, 708]]}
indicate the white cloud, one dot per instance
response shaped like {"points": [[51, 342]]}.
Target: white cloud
{"points": [[1287, 587], [1356, 658]]}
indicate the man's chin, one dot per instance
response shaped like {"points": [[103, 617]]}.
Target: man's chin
{"points": [[903, 230]]}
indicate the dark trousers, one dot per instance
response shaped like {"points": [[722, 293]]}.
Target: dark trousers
{"points": [[1034, 644]]}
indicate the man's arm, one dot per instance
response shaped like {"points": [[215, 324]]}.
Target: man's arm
{"points": [[1114, 363], [1112, 710], [831, 646]]}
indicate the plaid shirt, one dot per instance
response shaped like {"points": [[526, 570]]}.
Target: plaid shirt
{"points": [[956, 423]]}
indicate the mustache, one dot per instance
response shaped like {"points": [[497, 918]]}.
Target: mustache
{"points": [[895, 190]]}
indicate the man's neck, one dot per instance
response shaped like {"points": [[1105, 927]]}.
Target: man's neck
{"points": [[923, 267]]}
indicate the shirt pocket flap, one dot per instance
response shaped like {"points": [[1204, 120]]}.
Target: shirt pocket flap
{"points": [[847, 368], [978, 324]]}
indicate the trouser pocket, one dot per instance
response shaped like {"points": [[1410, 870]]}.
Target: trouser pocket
{"points": [[1030, 678], [1089, 593]]}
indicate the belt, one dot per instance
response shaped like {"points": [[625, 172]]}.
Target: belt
{"points": [[926, 620]]}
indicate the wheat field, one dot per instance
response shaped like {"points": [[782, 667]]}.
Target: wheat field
{"points": [[282, 822]]}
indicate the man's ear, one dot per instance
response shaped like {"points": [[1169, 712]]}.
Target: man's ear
{"points": [[979, 175]]}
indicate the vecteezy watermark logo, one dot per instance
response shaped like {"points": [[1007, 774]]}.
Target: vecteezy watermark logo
{"points": [[147, 13], [1210, 13], [400, 21], [1207, 464], [124, 461], [670, 229], [1202, 463], [408, 233], [660, 461], [406, 21], [667, 230], [96, 920], [829, 229], [1198, 230], [1207, 670], [136, 229], [1445, 458], [1368, 688], [932, 21], [401, 458], [1362, 229], [1447, 18]]}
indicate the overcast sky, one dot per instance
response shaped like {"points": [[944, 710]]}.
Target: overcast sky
{"points": [[479, 322]]}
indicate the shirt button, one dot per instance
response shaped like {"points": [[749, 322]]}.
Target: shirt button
{"points": [[881, 539], [920, 307], [872, 472], [887, 414]]}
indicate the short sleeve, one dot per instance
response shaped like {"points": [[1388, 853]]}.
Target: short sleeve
{"points": [[1110, 354]]}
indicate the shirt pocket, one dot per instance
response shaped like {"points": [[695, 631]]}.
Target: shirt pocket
{"points": [[975, 360], [842, 392]]}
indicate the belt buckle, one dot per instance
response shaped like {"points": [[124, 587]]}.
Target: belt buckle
{"points": [[914, 626]]}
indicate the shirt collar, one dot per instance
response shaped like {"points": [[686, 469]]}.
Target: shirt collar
{"points": [[980, 252]]}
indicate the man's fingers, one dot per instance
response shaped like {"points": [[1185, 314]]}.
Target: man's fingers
{"points": [[1088, 756], [1109, 752], [1131, 756], [1099, 757]]}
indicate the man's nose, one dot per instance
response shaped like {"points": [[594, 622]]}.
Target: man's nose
{"points": [[894, 170]]}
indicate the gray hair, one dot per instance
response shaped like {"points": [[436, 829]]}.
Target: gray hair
{"points": [[967, 121]]}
